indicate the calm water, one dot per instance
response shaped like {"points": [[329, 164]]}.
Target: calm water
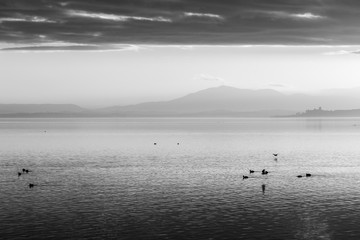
{"points": [[105, 179]]}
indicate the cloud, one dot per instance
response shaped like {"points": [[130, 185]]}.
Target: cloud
{"points": [[282, 88], [203, 15], [209, 78], [342, 52], [255, 22], [295, 16], [34, 19], [113, 17], [276, 85], [307, 15]]}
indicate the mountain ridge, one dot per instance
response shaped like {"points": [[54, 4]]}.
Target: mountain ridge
{"points": [[39, 108], [217, 101]]}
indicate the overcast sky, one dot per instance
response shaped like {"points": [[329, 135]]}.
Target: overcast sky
{"points": [[97, 53]]}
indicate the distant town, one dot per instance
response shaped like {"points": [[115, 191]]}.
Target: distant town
{"points": [[319, 112]]}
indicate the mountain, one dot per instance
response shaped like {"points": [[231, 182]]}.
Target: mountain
{"points": [[221, 101], [213, 99], [223, 98], [39, 108]]}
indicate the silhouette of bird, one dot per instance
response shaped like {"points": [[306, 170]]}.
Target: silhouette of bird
{"points": [[19, 174], [245, 177], [264, 172], [308, 175], [27, 170], [23, 169], [275, 154], [299, 176], [154, 143], [31, 185], [251, 171]]}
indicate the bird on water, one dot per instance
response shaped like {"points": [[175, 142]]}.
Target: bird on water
{"points": [[245, 177]]}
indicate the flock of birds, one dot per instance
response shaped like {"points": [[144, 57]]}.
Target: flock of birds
{"points": [[265, 172], [156, 143], [26, 171]]}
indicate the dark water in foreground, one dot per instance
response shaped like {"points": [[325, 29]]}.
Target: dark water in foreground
{"points": [[105, 179]]}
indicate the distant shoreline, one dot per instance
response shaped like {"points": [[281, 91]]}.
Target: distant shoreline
{"points": [[31, 116]]}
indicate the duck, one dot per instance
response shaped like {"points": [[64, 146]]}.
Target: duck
{"points": [[245, 177], [308, 175], [19, 174], [251, 171], [31, 185], [299, 176], [275, 154]]}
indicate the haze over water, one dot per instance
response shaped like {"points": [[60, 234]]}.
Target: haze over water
{"points": [[105, 178]]}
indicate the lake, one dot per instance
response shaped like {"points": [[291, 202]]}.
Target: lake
{"points": [[106, 179]]}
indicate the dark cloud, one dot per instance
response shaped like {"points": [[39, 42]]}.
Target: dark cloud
{"points": [[102, 22]]}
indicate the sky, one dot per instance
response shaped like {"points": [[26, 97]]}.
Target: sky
{"points": [[100, 53]]}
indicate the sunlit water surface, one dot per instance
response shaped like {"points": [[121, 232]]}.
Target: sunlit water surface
{"points": [[105, 178]]}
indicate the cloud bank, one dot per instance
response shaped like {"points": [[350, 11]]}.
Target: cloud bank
{"points": [[180, 22]]}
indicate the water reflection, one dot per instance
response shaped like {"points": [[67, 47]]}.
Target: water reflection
{"points": [[106, 180], [314, 124]]}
